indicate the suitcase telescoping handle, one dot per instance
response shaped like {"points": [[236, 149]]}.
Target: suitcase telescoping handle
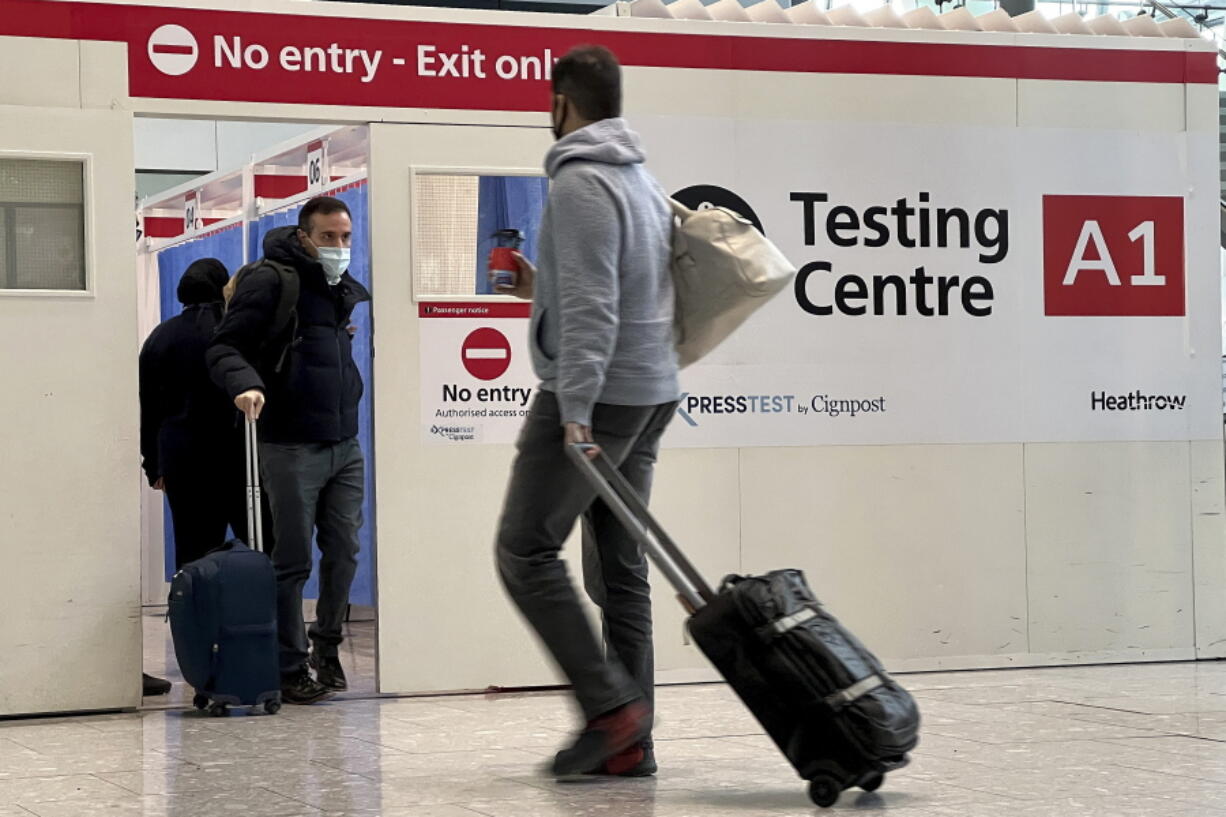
{"points": [[255, 515], [624, 501]]}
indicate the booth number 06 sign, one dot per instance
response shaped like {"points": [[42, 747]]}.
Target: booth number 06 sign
{"points": [[316, 177]]}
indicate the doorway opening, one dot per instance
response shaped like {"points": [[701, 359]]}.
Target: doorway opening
{"points": [[261, 176]]}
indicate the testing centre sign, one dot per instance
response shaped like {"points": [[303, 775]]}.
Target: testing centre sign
{"points": [[958, 299]]}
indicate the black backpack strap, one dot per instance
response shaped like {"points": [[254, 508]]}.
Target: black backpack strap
{"points": [[285, 315], [287, 304]]}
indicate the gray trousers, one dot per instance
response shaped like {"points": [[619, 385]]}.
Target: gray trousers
{"points": [[545, 498], [314, 490]]}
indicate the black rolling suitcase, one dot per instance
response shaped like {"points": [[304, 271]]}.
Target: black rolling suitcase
{"points": [[825, 699], [223, 616]]}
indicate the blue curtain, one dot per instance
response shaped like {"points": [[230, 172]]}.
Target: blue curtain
{"points": [[265, 225], [227, 247], [505, 203], [357, 199]]}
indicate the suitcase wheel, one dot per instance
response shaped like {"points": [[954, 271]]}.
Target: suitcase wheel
{"points": [[272, 707], [201, 702], [219, 710], [824, 790], [873, 783]]}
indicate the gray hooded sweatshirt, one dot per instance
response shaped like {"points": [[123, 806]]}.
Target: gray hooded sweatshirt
{"points": [[602, 315]]}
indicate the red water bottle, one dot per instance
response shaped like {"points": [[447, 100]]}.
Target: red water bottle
{"points": [[503, 268]]}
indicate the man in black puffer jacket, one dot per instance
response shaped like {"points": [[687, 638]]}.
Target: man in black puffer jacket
{"points": [[283, 355]]}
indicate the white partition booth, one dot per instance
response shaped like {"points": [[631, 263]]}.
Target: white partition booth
{"points": [[986, 421]]}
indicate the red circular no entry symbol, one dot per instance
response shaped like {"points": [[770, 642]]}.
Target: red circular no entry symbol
{"points": [[486, 354]]}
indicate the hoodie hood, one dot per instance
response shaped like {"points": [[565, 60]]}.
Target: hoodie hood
{"points": [[203, 282], [609, 141]]}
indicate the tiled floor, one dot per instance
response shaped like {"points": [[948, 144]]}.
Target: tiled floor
{"points": [[1132, 741]]}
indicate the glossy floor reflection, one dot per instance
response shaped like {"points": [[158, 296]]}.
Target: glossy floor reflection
{"points": [[1104, 741]]}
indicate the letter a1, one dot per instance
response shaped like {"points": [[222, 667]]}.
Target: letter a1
{"points": [[1109, 256]]}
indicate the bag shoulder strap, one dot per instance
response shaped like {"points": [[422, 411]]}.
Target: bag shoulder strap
{"points": [[680, 210]]}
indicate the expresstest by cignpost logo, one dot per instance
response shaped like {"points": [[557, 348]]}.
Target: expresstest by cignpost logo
{"points": [[692, 408], [455, 433], [173, 50]]}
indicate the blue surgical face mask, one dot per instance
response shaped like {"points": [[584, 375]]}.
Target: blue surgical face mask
{"points": [[335, 261]]}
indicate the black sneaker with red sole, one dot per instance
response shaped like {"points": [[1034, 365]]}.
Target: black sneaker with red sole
{"points": [[637, 761], [604, 738]]}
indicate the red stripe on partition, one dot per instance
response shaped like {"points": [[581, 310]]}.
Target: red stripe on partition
{"points": [[279, 187], [163, 226]]}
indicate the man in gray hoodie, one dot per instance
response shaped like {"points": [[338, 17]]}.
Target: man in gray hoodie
{"points": [[602, 345]]}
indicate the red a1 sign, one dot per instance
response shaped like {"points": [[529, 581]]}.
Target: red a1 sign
{"points": [[1113, 255]]}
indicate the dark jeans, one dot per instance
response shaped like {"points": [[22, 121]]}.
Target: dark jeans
{"points": [[545, 498], [313, 488]]}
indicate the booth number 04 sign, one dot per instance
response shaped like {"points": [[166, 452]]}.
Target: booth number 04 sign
{"points": [[191, 212]]}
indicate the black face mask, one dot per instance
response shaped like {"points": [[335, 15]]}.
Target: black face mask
{"points": [[557, 124]]}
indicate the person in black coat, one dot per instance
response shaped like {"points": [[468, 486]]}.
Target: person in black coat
{"points": [[284, 355], [191, 437]]}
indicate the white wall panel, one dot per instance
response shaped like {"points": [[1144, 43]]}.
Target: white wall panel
{"points": [[1208, 481], [1110, 547], [919, 549], [947, 101], [69, 488], [697, 498], [445, 622], [46, 73], [1123, 105], [105, 84]]}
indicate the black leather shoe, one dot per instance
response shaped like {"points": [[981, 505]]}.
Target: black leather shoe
{"points": [[154, 686], [301, 689], [329, 672]]}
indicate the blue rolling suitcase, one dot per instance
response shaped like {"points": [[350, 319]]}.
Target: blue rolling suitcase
{"points": [[821, 695], [223, 616]]}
